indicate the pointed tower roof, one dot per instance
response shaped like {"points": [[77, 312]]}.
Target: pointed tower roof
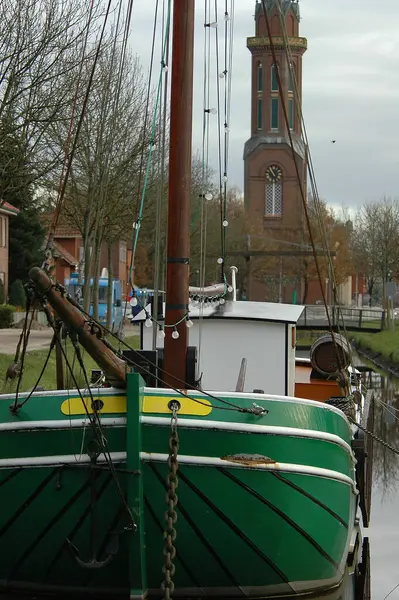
{"points": [[286, 6]]}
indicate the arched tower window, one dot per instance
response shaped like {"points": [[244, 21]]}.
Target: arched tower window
{"points": [[274, 100], [291, 75], [291, 96], [259, 113], [259, 77], [274, 191], [274, 81]]}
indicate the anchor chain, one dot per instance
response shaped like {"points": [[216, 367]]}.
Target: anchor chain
{"points": [[171, 500]]}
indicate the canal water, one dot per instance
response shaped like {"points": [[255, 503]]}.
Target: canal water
{"points": [[384, 523]]}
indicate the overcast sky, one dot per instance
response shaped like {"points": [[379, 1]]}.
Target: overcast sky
{"points": [[350, 92]]}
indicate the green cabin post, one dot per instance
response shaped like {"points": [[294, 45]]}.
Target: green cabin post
{"points": [[135, 488]]}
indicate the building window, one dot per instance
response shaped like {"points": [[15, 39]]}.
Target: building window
{"points": [[290, 79], [259, 75], [274, 79], [259, 116], [3, 232], [291, 113], [122, 252], [274, 113], [274, 199]]}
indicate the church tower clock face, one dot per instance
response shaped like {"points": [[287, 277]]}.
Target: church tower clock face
{"points": [[274, 174]]}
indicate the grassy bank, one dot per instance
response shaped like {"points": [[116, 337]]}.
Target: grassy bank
{"points": [[385, 343], [34, 362], [306, 337]]}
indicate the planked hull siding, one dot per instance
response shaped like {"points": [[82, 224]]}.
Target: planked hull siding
{"points": [[266, 504]]}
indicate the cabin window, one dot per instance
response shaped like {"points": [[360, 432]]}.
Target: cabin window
{"points": [[274, 199], [102, 294], [259, 75], [274, 80], [259, 115], [274, 113]]}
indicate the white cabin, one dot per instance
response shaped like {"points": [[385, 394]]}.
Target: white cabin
{"points": [[264, 333]]}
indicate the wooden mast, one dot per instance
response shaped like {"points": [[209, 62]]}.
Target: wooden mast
{"points": [[178, 248]]}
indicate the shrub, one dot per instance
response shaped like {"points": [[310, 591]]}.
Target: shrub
{"points": [[17, 293], [6, 313]]}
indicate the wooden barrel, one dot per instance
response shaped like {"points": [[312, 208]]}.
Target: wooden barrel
{"points": [[329, 356]]}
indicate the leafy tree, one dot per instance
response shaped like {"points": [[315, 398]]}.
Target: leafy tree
{"points": [[329, 233], [17, 293], [26, 236]]}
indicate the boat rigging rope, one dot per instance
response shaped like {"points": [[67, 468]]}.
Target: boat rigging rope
{"points": [[255, 410], [93, 418], [159, 210], [299, 179], [25, 338], [109, 104], [205, 172], [140, 201], [17, 405], [67, 167], [61, 192], [315, 192], [228, 67], [103, 442], [374, 436], [219, 138]]}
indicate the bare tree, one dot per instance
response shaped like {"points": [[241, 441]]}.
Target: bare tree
{"points": [[102, 191], [41, 44], [376, 249]]}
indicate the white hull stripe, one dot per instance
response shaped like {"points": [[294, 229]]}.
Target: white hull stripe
{"points": [[60, 424], [251, 428], [209, 461], [184, 424], [61, 459], [198, 461]]}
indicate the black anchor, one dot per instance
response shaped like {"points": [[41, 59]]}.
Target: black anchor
{"points": [[113, 544]]}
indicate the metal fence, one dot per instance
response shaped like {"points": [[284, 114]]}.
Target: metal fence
{"points": [[353, 318]]}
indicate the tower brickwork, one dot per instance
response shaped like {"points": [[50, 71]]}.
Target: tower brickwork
{"points": [[271, 188]]}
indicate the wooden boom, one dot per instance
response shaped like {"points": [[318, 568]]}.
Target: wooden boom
{"points": [[113, 367]]}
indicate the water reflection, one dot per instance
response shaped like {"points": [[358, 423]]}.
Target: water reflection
{"points": [[384, 529]]}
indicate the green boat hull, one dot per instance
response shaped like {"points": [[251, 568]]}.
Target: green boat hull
{"points": [[266, 504]]}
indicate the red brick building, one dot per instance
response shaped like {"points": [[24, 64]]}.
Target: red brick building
{"points": [[6, 211], [68, 253], [271, 189]]}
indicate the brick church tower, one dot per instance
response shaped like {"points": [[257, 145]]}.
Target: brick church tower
{"points": [[271, 188]]}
